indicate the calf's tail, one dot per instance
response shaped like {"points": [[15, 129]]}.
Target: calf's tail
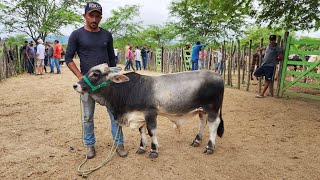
{"points": [[221, 126]]}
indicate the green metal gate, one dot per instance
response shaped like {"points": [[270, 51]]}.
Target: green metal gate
{"points": [[187, 59], [308, 70], [158, 59]]}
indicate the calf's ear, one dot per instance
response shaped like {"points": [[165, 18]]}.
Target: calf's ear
{"points": [[119, 78]]}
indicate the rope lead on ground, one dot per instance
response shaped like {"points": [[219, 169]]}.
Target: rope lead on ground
{"points": [[86, 172]]}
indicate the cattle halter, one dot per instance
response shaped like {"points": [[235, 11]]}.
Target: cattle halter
{"points": [[92, 87]]}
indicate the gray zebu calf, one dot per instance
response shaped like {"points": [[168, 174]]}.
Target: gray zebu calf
{"points": [[134, 97]]}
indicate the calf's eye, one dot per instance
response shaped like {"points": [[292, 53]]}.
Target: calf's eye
{"points": [[95, 74]]}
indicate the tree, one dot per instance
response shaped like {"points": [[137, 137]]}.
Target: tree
{"points": [[38, 18], [17, 40], [213, 19], [122, 23], [160, 35], [289, 15], [257, 33]]}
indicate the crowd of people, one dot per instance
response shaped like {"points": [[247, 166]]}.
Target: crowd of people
{"points": [[38, 56], [136, 56], [199, 57]]}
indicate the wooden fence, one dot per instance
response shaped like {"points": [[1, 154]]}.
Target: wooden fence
{"points": [[10, 64], [237, 64]]}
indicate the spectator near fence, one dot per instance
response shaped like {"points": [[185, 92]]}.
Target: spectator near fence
{"points": [[50, 57], [144, 54], [31, 53], [220, 64], [137, 57], [116, 55], [57, 49], [25, 56], [130, 57], [202, 62], [272, 55], [40, 57], [195, 55]]}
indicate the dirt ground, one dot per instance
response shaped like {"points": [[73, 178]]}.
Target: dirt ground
{"points": [[267, 138]]}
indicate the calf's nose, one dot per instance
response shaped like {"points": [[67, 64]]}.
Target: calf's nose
{"points": [[75, 86]]}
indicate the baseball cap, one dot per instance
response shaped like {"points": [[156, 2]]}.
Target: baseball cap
{"points": [[272, 37], [40, 41], [188, 43], [93, 6]]}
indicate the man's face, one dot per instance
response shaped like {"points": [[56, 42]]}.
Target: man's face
{"points": [[272, 42], [93, 19]]}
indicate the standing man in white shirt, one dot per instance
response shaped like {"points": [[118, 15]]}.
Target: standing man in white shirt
{"points": [[137, 56], [40, 57], [220, 63]]}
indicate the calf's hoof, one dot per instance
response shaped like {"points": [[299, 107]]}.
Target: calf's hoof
{"points": [[153, 155], [208, 151], [195, 144], [140, 151]]}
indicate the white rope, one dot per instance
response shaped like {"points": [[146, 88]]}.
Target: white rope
{"points": [[84, 173]]}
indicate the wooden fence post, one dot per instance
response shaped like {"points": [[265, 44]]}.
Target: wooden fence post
{"points": [[230, 64], [243, 62], [238, 63], [260, 61], [224, 58], [249, 54]]}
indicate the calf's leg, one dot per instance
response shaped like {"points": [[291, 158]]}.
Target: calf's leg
{"points": [[203, 121], [213, 121], [143, 142], [151, 120]]}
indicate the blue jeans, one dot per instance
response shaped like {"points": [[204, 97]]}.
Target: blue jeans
{"points": [[144, 62], [128, 65], [217, 67], [54, 61], [202, 64], [194, 65], [88, 105], [138, 65], [28, 65]]}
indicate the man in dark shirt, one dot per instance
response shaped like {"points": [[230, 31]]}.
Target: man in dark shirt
{"points": [[94, 46], [144, 55], [271, 57], [24, 50]]}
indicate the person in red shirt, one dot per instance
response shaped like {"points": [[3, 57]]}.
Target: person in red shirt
{"points": [[130, 57], [57, 55]]}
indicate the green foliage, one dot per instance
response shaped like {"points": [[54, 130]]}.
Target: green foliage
{"points": [[257, 33], [18, 40], [211, 19], [308, 47], [289, 15], [38, 18], [160, 35], [122, 23]]}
